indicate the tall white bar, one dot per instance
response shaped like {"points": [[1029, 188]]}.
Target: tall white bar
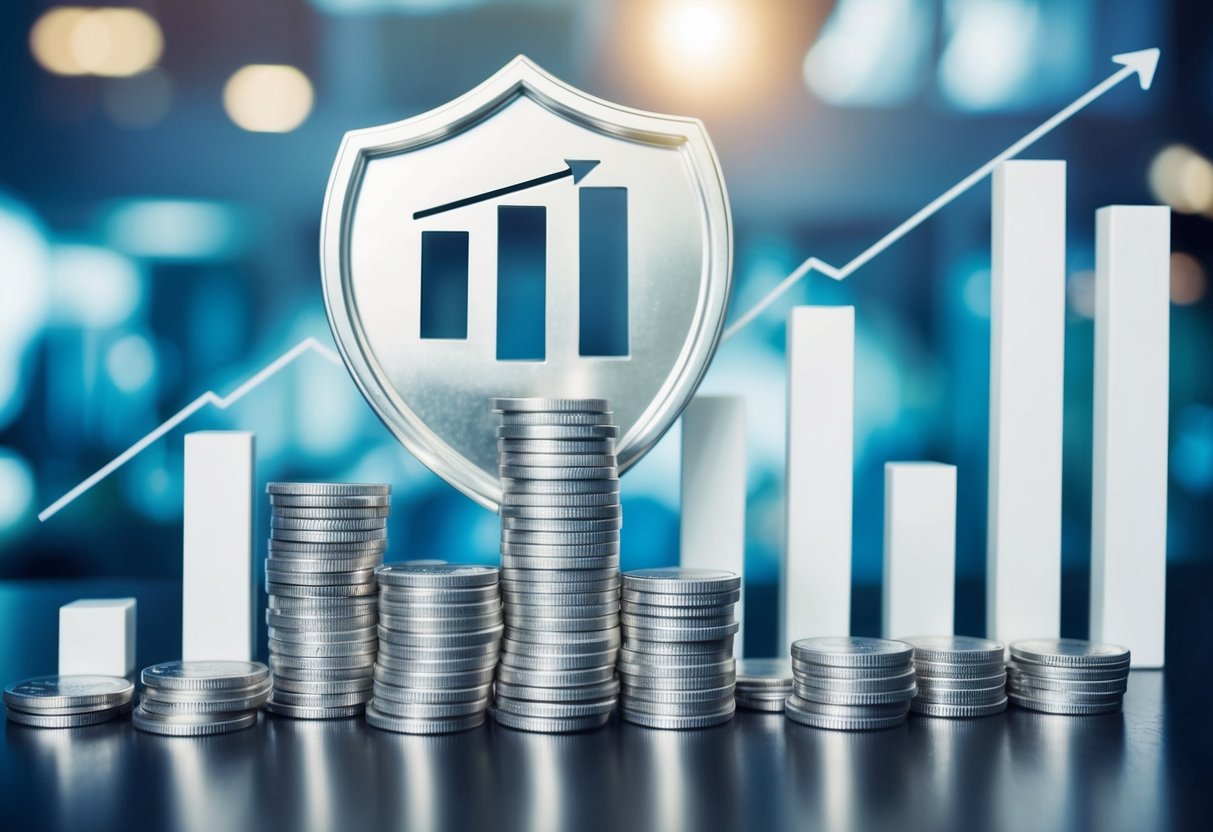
{"points": [[1129, 500], [919, 548], [217, 575], [1027, 350], [714, 490], [815, 597]]}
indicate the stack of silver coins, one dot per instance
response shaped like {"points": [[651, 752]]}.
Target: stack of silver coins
{"points": [[201, 698], [68, 701], [848, 683], [560, 522], [326, 541], [439, 631], [1067, 676], [763, 684], [958, 676], [677, 661]]}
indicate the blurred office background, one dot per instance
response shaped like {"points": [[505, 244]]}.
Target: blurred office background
{"points": [[162, 167]]}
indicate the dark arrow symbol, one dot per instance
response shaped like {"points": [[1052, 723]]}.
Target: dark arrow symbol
{"points": [[576, 168]]}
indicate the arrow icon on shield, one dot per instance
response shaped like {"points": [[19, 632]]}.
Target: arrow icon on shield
{"points": [[576, 168]]}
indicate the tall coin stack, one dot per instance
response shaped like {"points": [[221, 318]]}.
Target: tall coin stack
{"points": [[958, 676], [326, 541], [848, 683], [677, 661], [560, 522], [439, 631], [1067, 676]]}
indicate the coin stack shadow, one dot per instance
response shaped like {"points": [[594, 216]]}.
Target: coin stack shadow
{"points": [[201, 698], [849, 683], [958, 676], [560, 522], [439, 633], [763, 684], [677, 663], [326, 541], [1068, 676], [68, 701]]}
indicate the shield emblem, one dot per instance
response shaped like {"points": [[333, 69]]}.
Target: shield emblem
{"points": [[525, 239]]}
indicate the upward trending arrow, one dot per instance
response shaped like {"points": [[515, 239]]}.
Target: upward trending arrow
{"points": [[1142, 64], [576, 168]]}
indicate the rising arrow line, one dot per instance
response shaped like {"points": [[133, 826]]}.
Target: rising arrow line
{"points": [[207, 398], [576, 168], [1143, 64]]}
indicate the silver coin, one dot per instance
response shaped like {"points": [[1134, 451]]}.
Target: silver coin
{"points": [[1064, 708], [548, 563], [172, 696], [322, 636], [329, 664], [337, 649], [562, 460], [556, 447], [706, 599], [428, 610], [468, 638], [281, 590], [541, 405], [554, 664], [762, 673], [708, 707], [637, 628], [633, 693], [679, 580], [328, 489], [852, 651], [331, 513], [426, 653], [774, 706], [190, 725], [431, 711], [1073, 697], [675, 723], [315, 524], [683, 671], [555, 643], [604, 485], [591, 550], [540, 538], [299, 712], [439, 576], [556, 710], [552, 417], [576, 432], [562, 599], [311, 700], [438, 595], [350, 501], [630, 655], [310, 565], [303, 536], [518, 623], [931, 683], [724, 612], [544, 725], [321, 551], [983, 697], [958, 711], [322, 607], [441, 626], [956, 649], [438, 666], [385, 722], [208, 707], [559, 580], [677, 683], [41, 719], [875, 684], [824, 697], [515, 611], [341, 674], [608, 512], [69, 691], [574, 693], [204, 675], [853, 711], [319, 624], [1071, 673], [1023, 680], [423, 696], [598, 675], [680, 648], [938, 670], [1068, 652], [795, 710], [435, 681], [329, 688], [601, 499], [351, 578]]}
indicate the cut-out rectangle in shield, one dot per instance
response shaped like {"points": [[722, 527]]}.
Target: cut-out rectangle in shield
{"points": [[521, 282], [444, 284], [604, 272]]}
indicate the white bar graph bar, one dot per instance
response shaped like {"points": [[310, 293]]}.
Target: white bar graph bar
{"points": [[217, 576], [1023, 583], [714, 490], [1129, 500], [97, 635], [919, 548], [815, 595]]}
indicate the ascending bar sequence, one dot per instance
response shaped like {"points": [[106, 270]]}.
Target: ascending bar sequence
{"points": [[816, 567], [1129, 500], [1023, 585], [714, 490], [217, 575], [919, 548]]}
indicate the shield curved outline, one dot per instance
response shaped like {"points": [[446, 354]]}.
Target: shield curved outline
{"points": [[522, 77]]}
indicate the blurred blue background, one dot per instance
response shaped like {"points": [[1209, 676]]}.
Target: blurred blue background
{"points": [[161, 177]]}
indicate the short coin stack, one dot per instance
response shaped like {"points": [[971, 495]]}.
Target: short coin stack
{"points": [[68, 701], [439, 631], [677, 661], [201, 698], [1067, 676], [848, 683], [560, 522], [763, 684], [326, 540], [958, 676]]}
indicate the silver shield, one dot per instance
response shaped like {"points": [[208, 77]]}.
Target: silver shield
{"points": [[392, 183]]}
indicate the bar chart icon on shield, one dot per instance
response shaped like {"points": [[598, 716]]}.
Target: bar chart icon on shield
{"points": [[526, 239]]}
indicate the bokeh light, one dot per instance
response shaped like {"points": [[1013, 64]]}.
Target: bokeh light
{"points": [[1188, 284], [114, 42], [268, 98], [131, 363], [16, 488], [706, 48], [94, 287], [1183, 179]]}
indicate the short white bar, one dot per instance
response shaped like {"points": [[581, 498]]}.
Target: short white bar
{"points": [[1027, 352], [919, 548], [816, 570], [714, 490], [1129, 500], [217, 576], [97, 635]]}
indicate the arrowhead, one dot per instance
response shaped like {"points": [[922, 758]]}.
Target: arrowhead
{"points": [[580, 167], [1143, 63]]}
